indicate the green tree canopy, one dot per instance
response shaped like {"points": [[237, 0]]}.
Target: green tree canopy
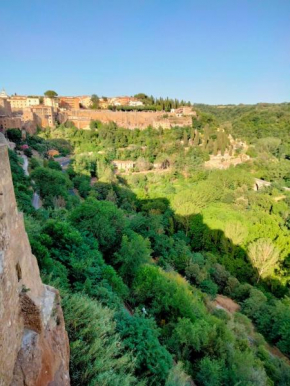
{"points": [[264, 256], [134, 251], [103, 220], [50, 94]]}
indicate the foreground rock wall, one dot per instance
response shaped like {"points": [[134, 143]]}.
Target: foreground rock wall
{"points": [[34, 349]]}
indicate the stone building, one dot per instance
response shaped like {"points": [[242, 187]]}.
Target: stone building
{"points": [[28, 114], [32, 101], [135, 103], [29, 120], [7, 121], [183, 110], [17, 102], [124, 101], [51, 102], [43, 115], [103, 103], [69, 103], [85, 101], [119, 101], [123, 165], [10, 123], [5, 106], [20, 102]]}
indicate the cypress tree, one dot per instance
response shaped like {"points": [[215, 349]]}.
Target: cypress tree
{"points": [[210, 145], [215, 148], [219, 141], [192, 134], [185, 139], [196, 139]]}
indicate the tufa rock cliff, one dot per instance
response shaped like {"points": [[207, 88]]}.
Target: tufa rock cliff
{"points": [[128, 119], [34, 349]]}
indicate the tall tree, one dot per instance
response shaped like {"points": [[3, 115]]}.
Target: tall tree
{"points": [[50, 94], [196, 138], [215, 148], [185, 139], [134, 251], [264, 256], [95, 101]]}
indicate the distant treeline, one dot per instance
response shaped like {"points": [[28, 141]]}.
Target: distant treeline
{"points": [[152, 104], [135, 108], [161, 103]]}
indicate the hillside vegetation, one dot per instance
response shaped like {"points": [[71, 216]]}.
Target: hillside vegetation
{"points": [[140, 255]]}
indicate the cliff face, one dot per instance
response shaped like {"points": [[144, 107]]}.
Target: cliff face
{"points": [[34, 349], [127, 119]]}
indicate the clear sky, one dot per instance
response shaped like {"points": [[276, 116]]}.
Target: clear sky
{"points": [[208, 51]]}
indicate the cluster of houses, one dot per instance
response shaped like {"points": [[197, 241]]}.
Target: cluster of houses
{"points": [[22, 111], [120, 101], [30, 112]]}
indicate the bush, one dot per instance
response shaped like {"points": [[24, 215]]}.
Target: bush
{"points": [[103, 220], [51, 185], [140, 335], [209, 287], [28, 152], [14, 135], [97, 355]]}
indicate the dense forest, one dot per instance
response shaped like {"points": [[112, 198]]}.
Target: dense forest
{"points": [[141, 256]]}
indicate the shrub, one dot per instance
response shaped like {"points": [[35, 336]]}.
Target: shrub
{"points": [[97, 354]]}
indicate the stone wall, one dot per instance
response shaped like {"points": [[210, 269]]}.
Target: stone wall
{"points": [[10, 123], [5, 108], [34, 348], [128, 119]]}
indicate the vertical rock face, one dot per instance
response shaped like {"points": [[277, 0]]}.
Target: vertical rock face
{"points": [[34, 349]]}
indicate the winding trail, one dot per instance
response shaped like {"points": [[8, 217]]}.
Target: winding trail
{"points": [[36, 201], [25, 164], [35, 198]]}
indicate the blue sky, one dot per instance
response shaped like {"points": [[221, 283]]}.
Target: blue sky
{"points": [[208, 51]]}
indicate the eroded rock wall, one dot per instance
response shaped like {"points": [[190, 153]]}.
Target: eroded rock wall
{"points": [[34, 349], [128, 119]]}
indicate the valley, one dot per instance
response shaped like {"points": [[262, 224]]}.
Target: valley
{"points": [[177, 263]]}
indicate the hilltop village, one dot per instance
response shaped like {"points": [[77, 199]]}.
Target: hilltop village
{"points": [[30, 112], [51, 112]]}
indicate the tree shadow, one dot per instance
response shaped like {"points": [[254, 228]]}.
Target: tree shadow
{"points": [[193, 230], [233, 257], [201, 237]]}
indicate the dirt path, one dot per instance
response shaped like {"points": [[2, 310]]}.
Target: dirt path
{"points": [[155, 171], [274, 351], [227, 304]]}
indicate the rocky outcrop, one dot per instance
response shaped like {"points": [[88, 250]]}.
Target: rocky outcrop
{"points": [[34, 349]]}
